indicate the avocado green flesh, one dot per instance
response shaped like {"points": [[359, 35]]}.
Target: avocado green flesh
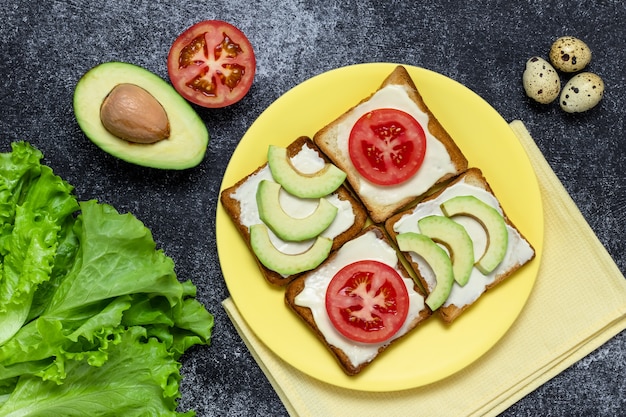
{"points": [[285, 226], [452, 235], [188, 140], [317, 185], [437, 259], [287, 264], [493, 223]]}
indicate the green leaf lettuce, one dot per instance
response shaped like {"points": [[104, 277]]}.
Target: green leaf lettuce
{"points": [[93, 319]]}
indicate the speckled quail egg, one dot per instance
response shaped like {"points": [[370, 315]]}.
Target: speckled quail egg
{"points": [[582, 92], [569, 54], [541, 81]]}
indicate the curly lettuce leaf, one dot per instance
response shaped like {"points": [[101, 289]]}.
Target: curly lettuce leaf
{"points": [[103, 319], [117, 257], [139, 378], [17, 169], [33, 221]]}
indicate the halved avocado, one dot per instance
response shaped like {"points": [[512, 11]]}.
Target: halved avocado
{"points": [[188, 136]]}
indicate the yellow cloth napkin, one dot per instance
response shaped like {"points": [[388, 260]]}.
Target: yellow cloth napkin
{"points": [[577, 304]]}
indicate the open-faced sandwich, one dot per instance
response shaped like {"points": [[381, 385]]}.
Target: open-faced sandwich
{"points": [[360, 300], [460, 243], [293, 210], [391, 146], [306, 214]]}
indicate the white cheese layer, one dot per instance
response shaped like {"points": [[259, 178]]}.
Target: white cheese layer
{"points": [[518, 251], [437, 162], [313, 296], [308, 162]]}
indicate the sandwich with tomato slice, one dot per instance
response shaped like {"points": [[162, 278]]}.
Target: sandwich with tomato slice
{"points": [[359, 301], [376, 163], [391, 146]]}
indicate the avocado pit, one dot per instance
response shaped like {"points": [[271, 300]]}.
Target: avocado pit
{"points": [[131, 113]]}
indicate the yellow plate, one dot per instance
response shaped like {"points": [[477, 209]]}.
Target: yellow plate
{"points": [[434, 351]]}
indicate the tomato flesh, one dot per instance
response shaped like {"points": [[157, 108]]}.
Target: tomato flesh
{"points": [[387, 146], [212, 64], [367, 301]]}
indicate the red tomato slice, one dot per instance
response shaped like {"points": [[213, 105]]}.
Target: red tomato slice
{"points": [[367, 301], [387, 146], [212, 64]]}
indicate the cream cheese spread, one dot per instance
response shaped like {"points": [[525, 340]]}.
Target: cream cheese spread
{"points": [[437, 162], [518, 252], [367, 246], [308, 162]]}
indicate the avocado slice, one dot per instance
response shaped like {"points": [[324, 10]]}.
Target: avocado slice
{"points": [[437, 259], [187, 140], [491, 220], [319, 184], [283, 263], [455, 238], [285, 226]]}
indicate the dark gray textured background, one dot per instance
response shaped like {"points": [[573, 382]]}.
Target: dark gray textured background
{"points": [[47, 46]]}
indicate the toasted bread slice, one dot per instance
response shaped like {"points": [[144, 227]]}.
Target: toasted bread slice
{"points": [[518, 253], [239, 201], [306, 297], [443, 159]]}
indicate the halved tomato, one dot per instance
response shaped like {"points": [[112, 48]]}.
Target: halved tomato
{"points": [[387, 146], [212, 64], [367, 301]]}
